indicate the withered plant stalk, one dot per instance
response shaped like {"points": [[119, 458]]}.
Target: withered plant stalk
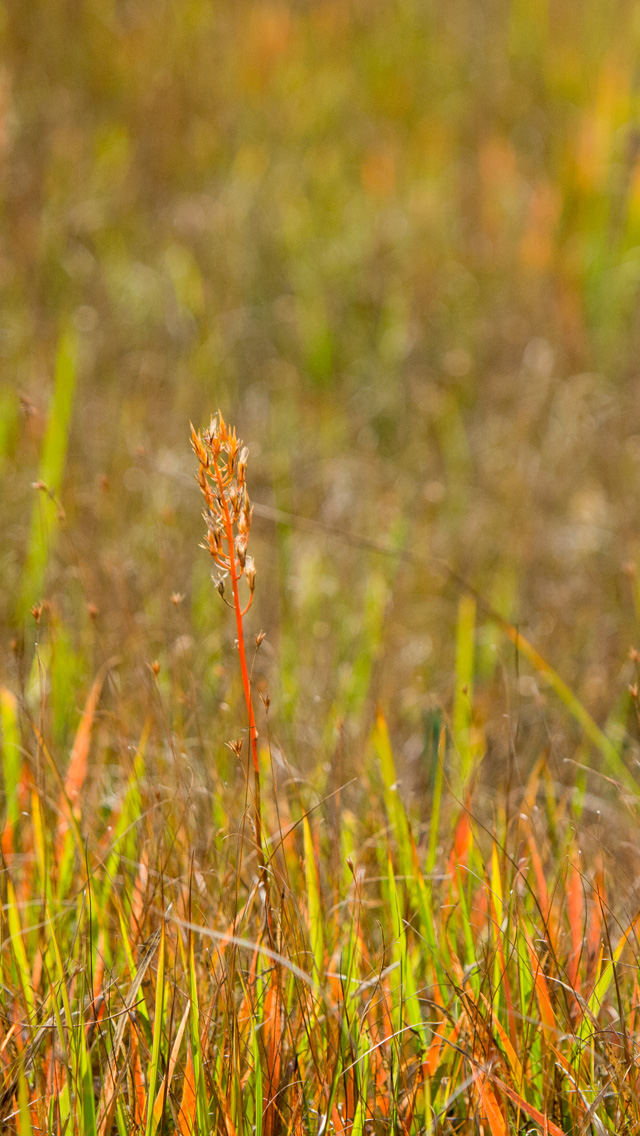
{"points": [[222, 469]]}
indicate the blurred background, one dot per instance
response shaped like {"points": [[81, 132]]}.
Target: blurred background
{"points": [[398, 244]]}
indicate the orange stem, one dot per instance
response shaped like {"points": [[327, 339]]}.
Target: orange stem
{"points": [[246, 682]]}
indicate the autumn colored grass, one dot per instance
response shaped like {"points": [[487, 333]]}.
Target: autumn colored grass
{"points": [[362, 857], [329, 973]]}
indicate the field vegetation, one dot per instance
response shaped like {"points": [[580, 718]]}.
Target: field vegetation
{"points": [[329, 826]]}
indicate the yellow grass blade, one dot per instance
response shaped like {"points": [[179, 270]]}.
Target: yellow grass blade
{"points": [[11, 764], [316, 934]]}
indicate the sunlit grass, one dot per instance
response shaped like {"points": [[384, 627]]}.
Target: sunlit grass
{"points": [[362, 859], [330, 973]]}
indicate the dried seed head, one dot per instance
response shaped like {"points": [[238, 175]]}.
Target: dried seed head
{"points": [[222, 468], [198, 448], [214, 544], [260, 637], [250, 572], [242, 465]]}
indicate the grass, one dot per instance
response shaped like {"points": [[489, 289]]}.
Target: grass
{"points": [[324, 972], [362, 857]]}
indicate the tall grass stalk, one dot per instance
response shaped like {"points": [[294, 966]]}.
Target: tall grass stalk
{"points": [[222, 470]]}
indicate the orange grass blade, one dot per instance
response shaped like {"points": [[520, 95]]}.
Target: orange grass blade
{"points": [[187, 1111], [139, 1091], [337, 1122], [545, 1006], [489, 1105], [272, 1032], [541, 883], [432, 1059], [538, 1117], [77, 768]]}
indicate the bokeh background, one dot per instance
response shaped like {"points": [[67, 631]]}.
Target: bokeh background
{"points": [[398, 244]]}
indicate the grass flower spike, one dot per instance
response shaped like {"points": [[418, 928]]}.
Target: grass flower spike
{"points": [[222, 471]]}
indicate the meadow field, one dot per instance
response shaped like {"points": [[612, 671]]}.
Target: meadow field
{"points": [[322, 818]]}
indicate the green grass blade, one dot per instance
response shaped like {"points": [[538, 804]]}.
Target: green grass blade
{"points": [[436, 802], [9, 417], [406, 998], [393, 802], [44, 519], [18, 950], [24, 1117], [87, 1099], [463, 701]]}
